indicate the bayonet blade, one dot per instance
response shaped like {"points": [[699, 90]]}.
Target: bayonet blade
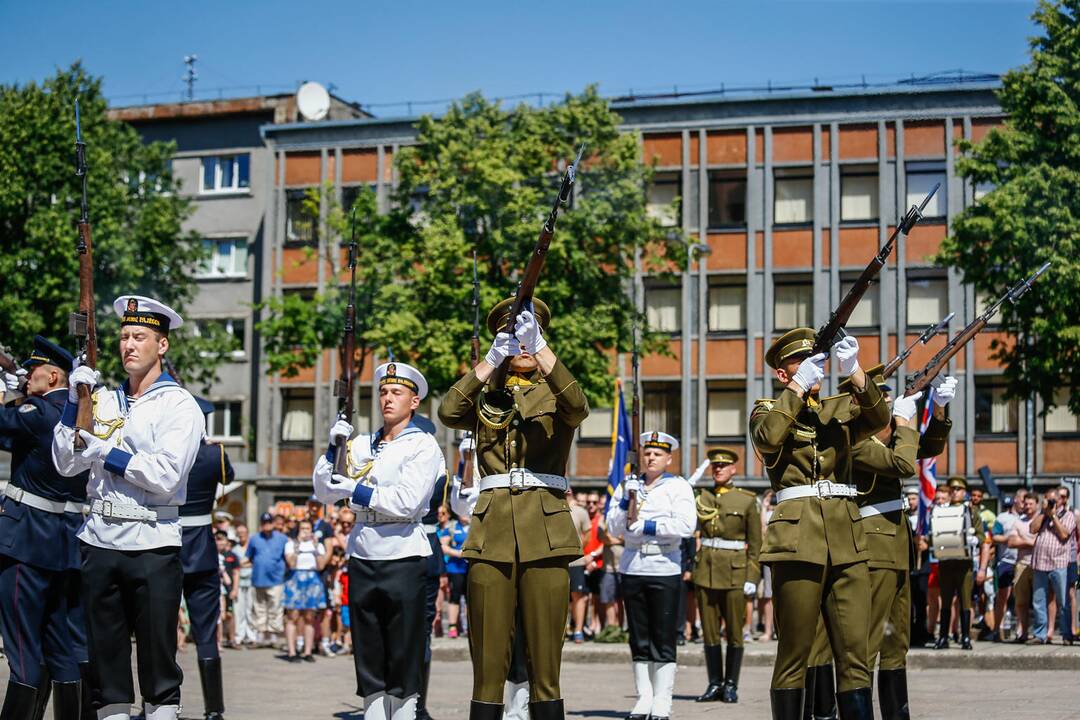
{"points": [[78, 123]]}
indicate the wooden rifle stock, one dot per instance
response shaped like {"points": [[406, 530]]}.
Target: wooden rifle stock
{"points": [[83, 323], [474, 354], [344, 385]]}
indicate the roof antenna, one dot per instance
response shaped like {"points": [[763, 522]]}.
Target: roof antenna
{"points": [[190, 76]]}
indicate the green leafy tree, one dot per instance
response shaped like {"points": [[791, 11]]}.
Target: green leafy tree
{"points": [[135, 212], [1032, 212], [482, 178]]}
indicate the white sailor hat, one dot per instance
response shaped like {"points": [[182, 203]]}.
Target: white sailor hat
{"points": [[147, 312], [398, 373], [467, 444], [659, 440]]}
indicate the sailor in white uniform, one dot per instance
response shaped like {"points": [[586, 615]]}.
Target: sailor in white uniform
{"points": [[392, 474], [651, 569], [145, 438]]}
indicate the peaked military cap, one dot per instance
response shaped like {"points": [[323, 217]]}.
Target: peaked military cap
{"points": [[398, 373], [723, 455], [496, 319], [794, 342], [955, 481], [146, 312], [46, 352], [659, 440]]}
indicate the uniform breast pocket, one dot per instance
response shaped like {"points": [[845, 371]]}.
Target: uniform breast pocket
{"points": [[782, 534], [541, 416], [11, 514], [734, 523], [557, 521]]}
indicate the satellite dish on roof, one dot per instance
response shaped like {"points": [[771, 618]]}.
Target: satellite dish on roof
{"points": [[313, 101]]}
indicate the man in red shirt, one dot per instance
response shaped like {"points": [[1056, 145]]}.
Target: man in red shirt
{"points": [[593, 547]]}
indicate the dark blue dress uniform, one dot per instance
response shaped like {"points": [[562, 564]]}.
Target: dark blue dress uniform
{"points": [[199, 560], [40, 512], [436, 568]]}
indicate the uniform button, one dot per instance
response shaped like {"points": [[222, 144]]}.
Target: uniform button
{"points": [[516, 423], [513, 443]]}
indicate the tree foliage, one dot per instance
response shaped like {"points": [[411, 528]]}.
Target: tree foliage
{"points": [[1032, 213], [135, 211], [483, 178]]}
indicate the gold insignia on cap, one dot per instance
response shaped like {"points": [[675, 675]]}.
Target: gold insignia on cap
{"points": [[793, 342]]}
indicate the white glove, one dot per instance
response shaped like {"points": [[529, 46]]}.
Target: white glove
{"points": [[82, 375], [632, 484], [12, 380], [96, 449], [749, 589], [904, 407], [811, 372], [340, 482], [847, 354], [528, 333], [341, 429], [503, 346], [945, 390]]}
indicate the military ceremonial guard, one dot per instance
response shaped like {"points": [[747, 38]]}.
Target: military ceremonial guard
{"points": [[651, 569], [40, 512], [199, 560], [958, 541], [814, 541], [726, 573], [146, 436], [392, 474], [521, 537]]}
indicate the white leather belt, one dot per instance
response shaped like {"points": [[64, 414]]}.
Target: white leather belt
{"points": [[431, 528], [522, 479], [132, 512], [820, 489], [39, 503], [653, 547], [196, 520], [367, 516], [722, 544], [881, 508]]}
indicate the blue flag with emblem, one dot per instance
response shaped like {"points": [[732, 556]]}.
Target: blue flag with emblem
{"points": [[620, 442]]}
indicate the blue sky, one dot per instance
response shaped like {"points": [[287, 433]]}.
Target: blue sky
{"points": [[388, 52]]}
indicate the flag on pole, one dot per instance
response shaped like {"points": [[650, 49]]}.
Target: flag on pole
{"points": [[927, 470], [620, 442]]}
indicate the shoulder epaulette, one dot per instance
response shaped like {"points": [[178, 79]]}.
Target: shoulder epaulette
{"points": [[751, 493], [765, 403]]}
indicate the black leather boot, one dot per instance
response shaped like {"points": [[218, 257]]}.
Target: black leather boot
{"points": [[20, 702], [714, 666], [212, 691], [42, 694], [787, 703], [67, 700], [731, 681], [485, 711], [892, 694], [856, 704], [965, 630], [824, 692], [421, 702], [547, 710], [943, 629], [87, 712]]}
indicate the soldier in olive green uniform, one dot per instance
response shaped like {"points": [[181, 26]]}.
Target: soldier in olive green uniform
{"points": [[521, 538], [726, 572], [814, 541], [955, 575], [879, 464]]}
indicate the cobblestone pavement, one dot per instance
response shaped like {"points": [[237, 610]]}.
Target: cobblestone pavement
{"points": [[259, 685]]}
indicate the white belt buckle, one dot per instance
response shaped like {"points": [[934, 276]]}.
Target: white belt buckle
{"points": [[15, 493], [517, 478], [824, 488], [106, 508]]}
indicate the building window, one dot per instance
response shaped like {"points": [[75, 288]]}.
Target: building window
{"points": [[1061, 419], [921, 176], [727, 200], [792, 304], [226, 258], [662, 405], [994, 413], [301, 225], [225, 173], [865, 314], [793, 197], [597, 426], [927, 301], [727, 308], [982, 189], [858, 193], [224, 422], [298, 415], [662, 202], [231, 328], [726, 412], [663, 308]]}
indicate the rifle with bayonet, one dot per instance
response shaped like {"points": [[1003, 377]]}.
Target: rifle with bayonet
{"points": [[83, 324], [536, 263], [343, 386], [921, 379], [833, 329], [893, 365], [474, 356], [635, 420]]}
